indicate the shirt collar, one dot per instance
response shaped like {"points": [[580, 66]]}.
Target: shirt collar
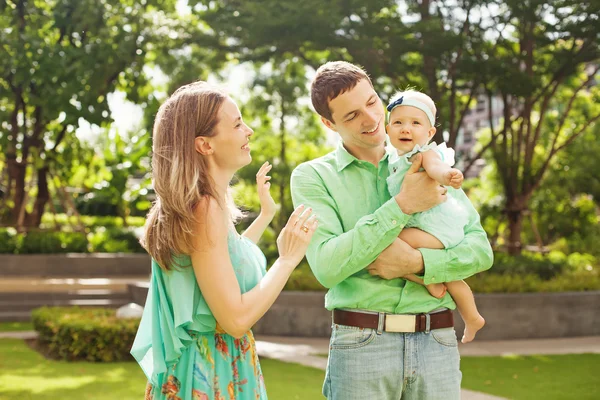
{"points": [[344, 158]]}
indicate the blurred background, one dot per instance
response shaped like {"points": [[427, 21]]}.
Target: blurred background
{"points": [[516, 85]]}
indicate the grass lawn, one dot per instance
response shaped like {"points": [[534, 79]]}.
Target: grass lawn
{"points": [[26, 375], [572, 376], [15, 326]]}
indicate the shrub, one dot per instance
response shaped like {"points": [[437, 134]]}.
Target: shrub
{"points": [[50, 220], [72, 333], [115, 240], [302, 278], [8, 240], [544, 266], [52, 242], [573, 281]]}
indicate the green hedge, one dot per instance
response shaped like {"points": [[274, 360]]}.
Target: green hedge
{"points": [[72, 333], [577, 272], [49, 220], [99, 240]]}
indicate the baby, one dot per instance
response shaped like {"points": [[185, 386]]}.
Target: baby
{"points": [[410, 127]]}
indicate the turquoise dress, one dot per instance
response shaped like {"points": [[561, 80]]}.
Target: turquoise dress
{"points": [[446, 221], [182, 350]]}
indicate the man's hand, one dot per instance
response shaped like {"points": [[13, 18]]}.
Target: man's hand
{"points": [[419, 192], [396, 261]]}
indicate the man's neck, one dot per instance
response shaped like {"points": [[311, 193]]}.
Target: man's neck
{"points": [[372, 155]]}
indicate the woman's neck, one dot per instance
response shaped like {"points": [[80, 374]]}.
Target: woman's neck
{"points": [[221, 179]]}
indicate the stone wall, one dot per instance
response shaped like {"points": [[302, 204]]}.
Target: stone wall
{"points": [[508, 316]]}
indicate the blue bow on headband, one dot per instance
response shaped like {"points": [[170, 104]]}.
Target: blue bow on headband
{"points": [[395, 103]]}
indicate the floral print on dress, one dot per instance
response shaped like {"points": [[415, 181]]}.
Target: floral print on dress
{"points": [[171, 388]]}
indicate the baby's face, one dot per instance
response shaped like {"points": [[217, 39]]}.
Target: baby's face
{"points": [[409, 126]]}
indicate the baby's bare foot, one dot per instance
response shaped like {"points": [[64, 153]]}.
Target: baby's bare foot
{"points": [[437, 290], [471, 328]]}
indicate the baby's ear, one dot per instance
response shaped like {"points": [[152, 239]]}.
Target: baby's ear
{"points": [[432, 131]]}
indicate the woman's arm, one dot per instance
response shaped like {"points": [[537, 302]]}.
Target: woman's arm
{"points": [[267, 205], [440, 171], [234, 311]]}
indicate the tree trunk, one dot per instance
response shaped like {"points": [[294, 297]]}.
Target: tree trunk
{"points": [[515, 225], [16, 173], [35, 218]]}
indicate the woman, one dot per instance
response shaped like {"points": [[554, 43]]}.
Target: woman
{"points": [[209, 284]]}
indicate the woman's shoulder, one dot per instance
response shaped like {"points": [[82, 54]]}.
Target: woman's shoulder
{"points": [[211, 222]]}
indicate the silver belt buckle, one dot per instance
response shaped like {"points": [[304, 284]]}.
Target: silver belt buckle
{"points": [[400, 323], [380, 322]]}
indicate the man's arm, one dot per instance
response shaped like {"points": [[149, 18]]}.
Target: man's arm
{"points": [[472, 255], [333, 254]]}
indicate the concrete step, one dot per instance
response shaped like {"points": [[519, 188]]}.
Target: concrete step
{"points": [[34, 284], [60, 296], [13, 306], [15, 316]]}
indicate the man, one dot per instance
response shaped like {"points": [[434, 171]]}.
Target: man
{"points": [[390, 338]]}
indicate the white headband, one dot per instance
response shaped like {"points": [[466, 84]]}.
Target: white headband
{"points": [[413, 103]]}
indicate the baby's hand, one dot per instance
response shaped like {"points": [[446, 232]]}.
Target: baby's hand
{"points": [[453, 178]]}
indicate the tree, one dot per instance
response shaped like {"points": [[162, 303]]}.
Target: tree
{"points": [[542, 63], [62, 58], [432, 45]]}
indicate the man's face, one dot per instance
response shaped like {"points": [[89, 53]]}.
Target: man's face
{"points": [[359, 118]]}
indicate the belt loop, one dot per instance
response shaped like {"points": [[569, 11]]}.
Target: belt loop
{"points": [[380, 323], [427, 322]]}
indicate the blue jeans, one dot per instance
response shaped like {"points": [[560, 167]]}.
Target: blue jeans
{"points": [[392, 366]]}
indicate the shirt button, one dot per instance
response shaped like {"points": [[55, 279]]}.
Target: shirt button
{"points": [[433, 278], [394, 222]]}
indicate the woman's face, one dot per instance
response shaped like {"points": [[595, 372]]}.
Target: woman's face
{"points": [[231, 142]]}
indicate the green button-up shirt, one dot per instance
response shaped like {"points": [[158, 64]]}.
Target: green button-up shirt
{"points": [[358, 219]]}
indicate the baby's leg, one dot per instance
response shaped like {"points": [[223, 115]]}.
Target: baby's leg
{"points": [[417, 238], [465, 302]]}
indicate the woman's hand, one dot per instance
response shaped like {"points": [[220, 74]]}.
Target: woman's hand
{"points": [[268, 207], [295, 236]]}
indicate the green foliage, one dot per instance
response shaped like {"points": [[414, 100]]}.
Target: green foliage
{"points": [[8, 240], [50, 220], [36, 242], [544, 267], [529, 283], [115, 240], [526, 273], [84, 334], [303, 279]]}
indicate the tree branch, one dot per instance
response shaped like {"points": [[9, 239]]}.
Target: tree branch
{"points": [[554, 151]]}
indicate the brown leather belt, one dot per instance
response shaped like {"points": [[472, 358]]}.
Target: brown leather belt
{"points": [[384, 322]]}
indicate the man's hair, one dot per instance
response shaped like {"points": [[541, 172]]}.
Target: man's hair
{"points": [[332, 79]]}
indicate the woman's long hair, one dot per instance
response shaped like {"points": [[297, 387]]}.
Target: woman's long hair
{"points": [[179, 173]]}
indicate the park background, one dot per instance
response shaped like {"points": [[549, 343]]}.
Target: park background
{"points": [[516, 84]]}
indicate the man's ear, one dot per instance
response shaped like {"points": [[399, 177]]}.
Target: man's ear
{"points": [[328, 124], [202, 145], [432, 132]]}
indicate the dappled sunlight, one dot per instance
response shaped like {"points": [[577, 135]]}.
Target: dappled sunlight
{"points": [[38, 383]]}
